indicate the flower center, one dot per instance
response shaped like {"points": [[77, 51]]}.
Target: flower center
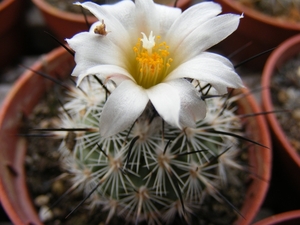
{"points": [[153, 61]]}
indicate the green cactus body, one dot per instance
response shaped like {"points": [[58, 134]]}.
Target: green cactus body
{"points": [[151, 171]]}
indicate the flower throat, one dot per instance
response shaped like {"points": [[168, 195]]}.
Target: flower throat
{"points": [[152, 61]]}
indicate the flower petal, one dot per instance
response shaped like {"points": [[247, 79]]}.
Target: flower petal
{"points": [[192, 107], [112, 72], [166, 100], [189, 20], [146, 16], [123, 107], [204, 36], [210, 68], [167, 16], [119, 22], [92, 50]]}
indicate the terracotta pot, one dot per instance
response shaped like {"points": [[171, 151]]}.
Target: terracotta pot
{"points": [[62, 24], [18, 104], [9, 10], [260, 159], [286, 154], [286, 218], [66, 24], [26, 93], [10, 30], [262, 31]]}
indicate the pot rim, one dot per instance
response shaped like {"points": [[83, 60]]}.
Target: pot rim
{"points": [[46, 7], [28, 214], [276, 59], [5, 3], [281, 217], [258, 153], [257, 15]]}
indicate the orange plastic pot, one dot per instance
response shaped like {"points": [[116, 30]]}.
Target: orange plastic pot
{"points": [[286, 153], [261, 31], [29, 89]]}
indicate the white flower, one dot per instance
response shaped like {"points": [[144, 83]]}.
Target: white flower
{"points": [[148, 50]]}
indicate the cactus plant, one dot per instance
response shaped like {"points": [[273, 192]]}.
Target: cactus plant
{"points": [[151, 171], [150, 156]]}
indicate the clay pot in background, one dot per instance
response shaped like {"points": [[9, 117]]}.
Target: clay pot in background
{"points": [[284, 152], [66, 24], [18, 104], [262, 31], [11, 28], [286, 218], [63, 24]]}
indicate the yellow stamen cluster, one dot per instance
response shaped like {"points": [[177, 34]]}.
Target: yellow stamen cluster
{"points": [[152, 64]]}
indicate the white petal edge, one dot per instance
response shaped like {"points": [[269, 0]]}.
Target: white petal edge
{"points": [[211, 68], [107, 72], [122, 108], [118, 23], [205, 36], [189, 20], [92, 50]]}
